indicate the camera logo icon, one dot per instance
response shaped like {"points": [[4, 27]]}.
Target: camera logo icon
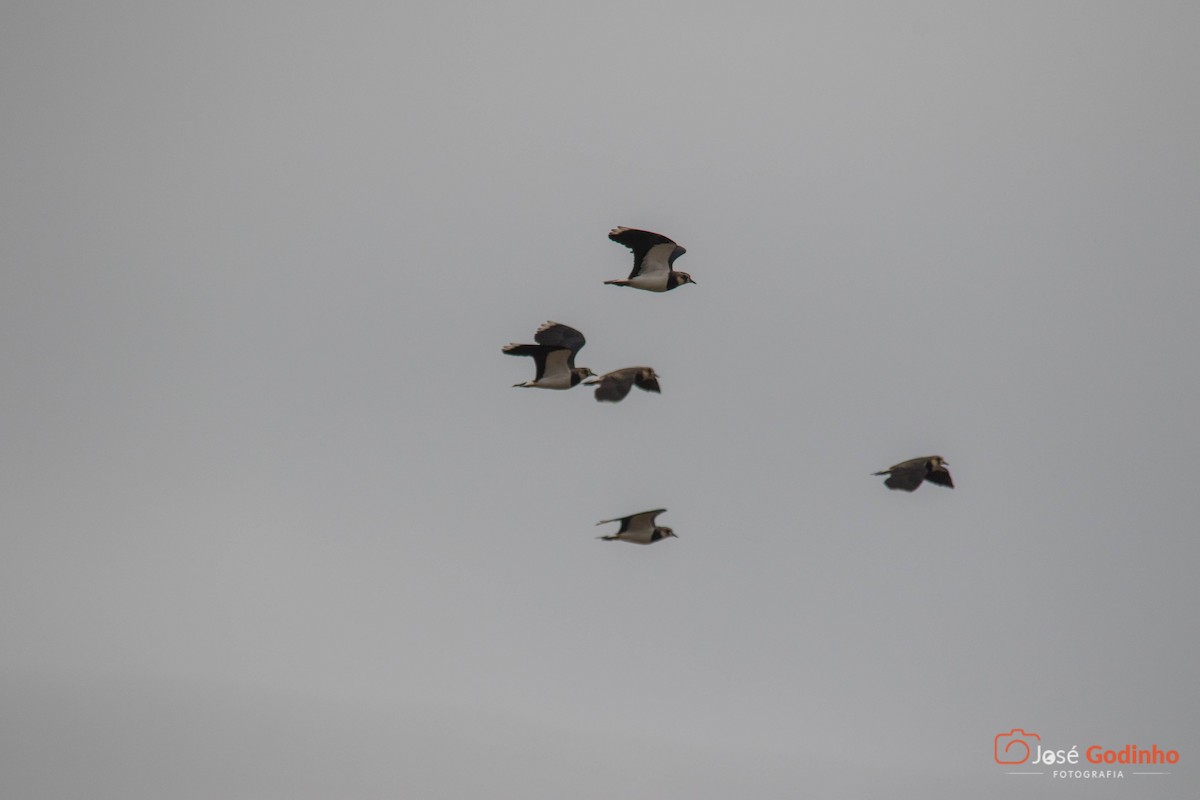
{"points": [[1015, 747]]}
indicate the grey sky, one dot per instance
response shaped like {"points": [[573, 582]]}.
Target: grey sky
{"points": [[275, 526]]}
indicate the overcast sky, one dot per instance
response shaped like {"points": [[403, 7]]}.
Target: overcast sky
{"points": [[274, 524]]}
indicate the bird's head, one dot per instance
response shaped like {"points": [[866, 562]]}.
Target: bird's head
{"points": [[584, 372], [684, 278], [938, 462], [667, 532]]}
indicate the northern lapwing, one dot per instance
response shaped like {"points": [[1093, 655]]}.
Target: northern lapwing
{"points": [[554, 355], [638, 528], [908, 475], [613, 386], [653, 255]]}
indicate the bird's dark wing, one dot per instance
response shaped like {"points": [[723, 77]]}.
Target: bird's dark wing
{"points": [[555, 334], [647, 381], [912, 463], [623, 520], [905, 478], [515, 349], [613, 387], [662, 251], [536, 351], [941, 477]]}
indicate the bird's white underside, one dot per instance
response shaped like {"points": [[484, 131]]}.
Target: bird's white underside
{"points": [[558, 374], [641, 527], [637, 536], [656, 264]]}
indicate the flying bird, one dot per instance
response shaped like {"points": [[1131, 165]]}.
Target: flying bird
{"points": [[653, 255], [554, 355], [638, 528], [908, 475], [613, 386]]}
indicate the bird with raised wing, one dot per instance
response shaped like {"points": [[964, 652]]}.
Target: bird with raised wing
{"points": [[612, 387], [638, 528], [554, 355], [653, 255], [908, 475]]}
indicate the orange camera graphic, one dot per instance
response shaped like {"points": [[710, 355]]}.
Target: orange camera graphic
{"points": [[1015, 747]]}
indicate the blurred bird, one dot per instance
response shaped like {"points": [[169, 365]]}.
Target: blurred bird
{"points": [[908, 475], [613, 386], [653, 255], [554, 355], [638, 528]]}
